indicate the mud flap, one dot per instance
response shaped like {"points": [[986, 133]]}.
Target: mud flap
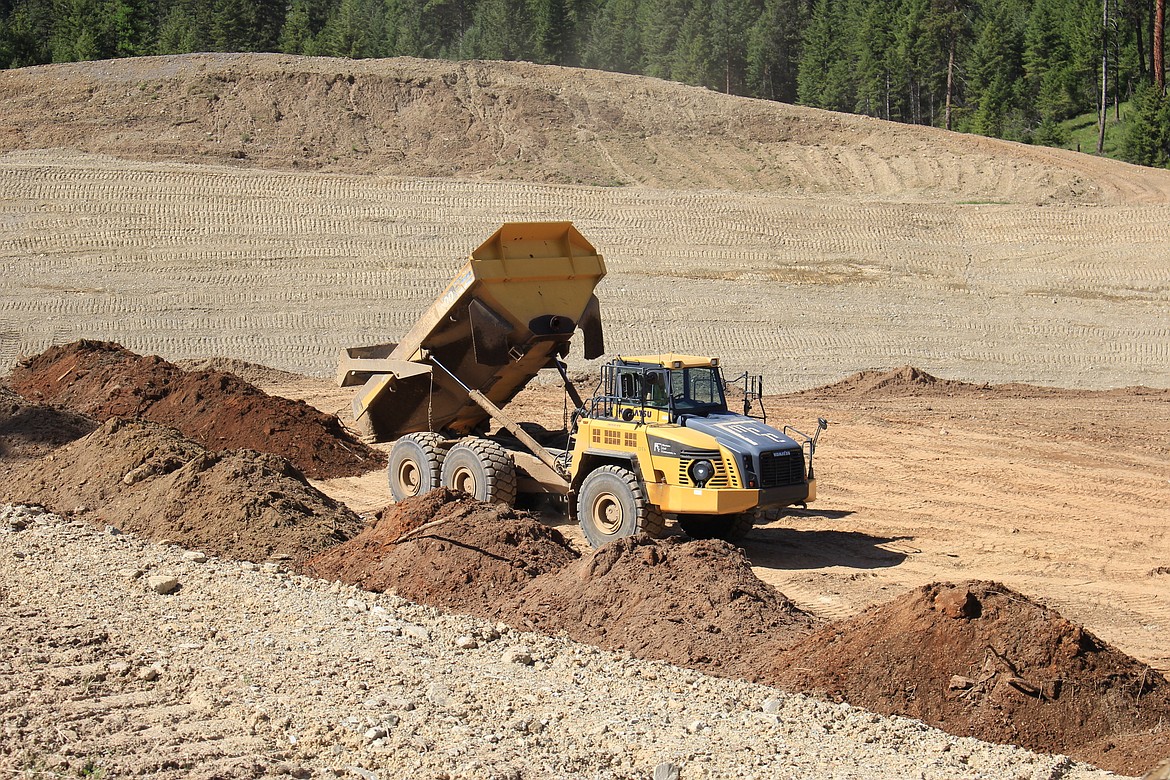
{"points": [[590, 326]]}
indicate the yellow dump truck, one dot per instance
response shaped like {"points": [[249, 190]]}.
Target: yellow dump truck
{"points": [[657, 442]]}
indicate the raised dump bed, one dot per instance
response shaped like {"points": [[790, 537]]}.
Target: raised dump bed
{"points": [[510, 312]]}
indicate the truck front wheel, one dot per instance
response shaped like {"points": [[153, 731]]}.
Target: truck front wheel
{"points": [[611, 504], [415, 464], [482, 469]]}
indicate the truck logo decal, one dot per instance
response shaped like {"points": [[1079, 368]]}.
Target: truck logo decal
{"points": [[752, 432], [663, 447]]}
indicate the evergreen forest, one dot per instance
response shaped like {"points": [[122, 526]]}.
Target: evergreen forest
{"points": [[1015, 69]]}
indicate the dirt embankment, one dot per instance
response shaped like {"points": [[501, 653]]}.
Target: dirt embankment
{"points": [[140, 476], [979, 659], [215, 408], [693, 603], [974, 658], [476, 556], [521, 122]]}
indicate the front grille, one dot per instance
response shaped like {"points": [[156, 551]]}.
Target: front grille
{"points": [[723, 476], [781, 467]]}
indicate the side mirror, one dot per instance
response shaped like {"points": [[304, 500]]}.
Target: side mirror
{"points": [[822, 423]]}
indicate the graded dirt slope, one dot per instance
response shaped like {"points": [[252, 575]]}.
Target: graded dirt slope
{"points": [[518, 121], [217, 409], [286, 269]]}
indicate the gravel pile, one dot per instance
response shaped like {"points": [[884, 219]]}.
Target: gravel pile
{"points": [[124, 657]]}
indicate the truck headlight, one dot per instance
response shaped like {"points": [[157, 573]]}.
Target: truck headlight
{"points": [[701, 471]]}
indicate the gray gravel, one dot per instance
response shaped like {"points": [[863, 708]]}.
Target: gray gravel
{"points": [[246, 670]]}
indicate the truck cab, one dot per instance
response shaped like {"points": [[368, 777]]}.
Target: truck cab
{"points": [[664, 420]]}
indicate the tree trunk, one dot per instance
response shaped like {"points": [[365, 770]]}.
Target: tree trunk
{"points": [[1159, 31], [1104, 76], [950, 80]]}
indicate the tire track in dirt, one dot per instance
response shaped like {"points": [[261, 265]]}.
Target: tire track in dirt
{"points": [[287, 268]]}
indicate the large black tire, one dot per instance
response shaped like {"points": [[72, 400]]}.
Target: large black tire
{"points": [[612, 504], [416, 462], [731, 528], [482, 469]]}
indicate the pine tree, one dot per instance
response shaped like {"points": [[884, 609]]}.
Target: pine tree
{"points": [[1047, 66], [614, 42], [694, 59], [354, 30], [727, 28], [993, 70], [1147, 137], [498, 31], [234, 25], [911, 62], [773, 52], [824, 80], [947, 24], [658, 28], [551, 28], [75, 31], [296, 37], [871, 47]]}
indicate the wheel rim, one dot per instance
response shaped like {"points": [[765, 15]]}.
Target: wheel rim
{"points": [[607, 514], [409, 477], [463, 480]]}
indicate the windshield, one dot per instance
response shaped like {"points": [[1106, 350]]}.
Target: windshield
{"points": [[696, 389]]}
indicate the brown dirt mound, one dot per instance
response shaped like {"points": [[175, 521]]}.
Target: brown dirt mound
{"points": [[979, 659], [219, 410], [897, 382], [30, 431], [911, 382], [481, 555], [691, 603], [141, 476]]}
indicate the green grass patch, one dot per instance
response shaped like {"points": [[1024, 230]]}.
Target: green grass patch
{"points": [[1082, 132]]}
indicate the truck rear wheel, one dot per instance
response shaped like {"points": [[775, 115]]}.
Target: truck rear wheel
{"points": [[611, 504], [416, 462], [730, 528], [482, 469]]}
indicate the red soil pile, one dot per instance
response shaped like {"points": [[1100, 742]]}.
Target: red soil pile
{"points": [[477, 556], [978, 659], [144, 477], [216, 409], [691, 603]]}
